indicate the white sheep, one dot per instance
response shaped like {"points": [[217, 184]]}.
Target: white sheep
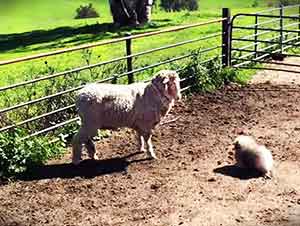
{"points": [[249, 154], [139, 106]]}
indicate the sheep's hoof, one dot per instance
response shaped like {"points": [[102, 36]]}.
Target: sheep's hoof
{"points": [[268, 175], [152, 156], [95, 157], [143, 150]]}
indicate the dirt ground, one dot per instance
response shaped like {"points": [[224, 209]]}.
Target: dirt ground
{"points": [[194, 182]]}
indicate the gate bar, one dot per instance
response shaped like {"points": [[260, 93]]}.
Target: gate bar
{"points": [[266, 68], [267, 29], [269, 62], [263, 52], [265, 15]]}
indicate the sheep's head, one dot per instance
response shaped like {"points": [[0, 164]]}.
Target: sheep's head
{"points": [[168, 83]]}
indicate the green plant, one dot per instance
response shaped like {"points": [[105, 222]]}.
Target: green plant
{"points": [[17, 155], [86, 12], [282, 2], [255, 3], [288, 2], [178, 5], [207, 76]]}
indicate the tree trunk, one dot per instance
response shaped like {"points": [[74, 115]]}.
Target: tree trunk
{"points": [[130, 12]]}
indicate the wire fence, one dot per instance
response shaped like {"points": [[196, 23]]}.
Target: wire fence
{"points": [[34, 113], [274, 35], [43, 103]]}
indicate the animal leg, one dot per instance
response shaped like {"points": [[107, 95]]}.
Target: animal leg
{"points": [[89, 144], [141, 142], [79, 139], [91, 149], [150, 151], [76, 148]]}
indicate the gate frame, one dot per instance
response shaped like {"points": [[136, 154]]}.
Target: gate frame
{"points": [[262, 56]]}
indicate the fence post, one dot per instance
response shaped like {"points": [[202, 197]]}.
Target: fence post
{"points": [[299, 23], [129, 59], [226, 50], [255, 36], [281, 28]]}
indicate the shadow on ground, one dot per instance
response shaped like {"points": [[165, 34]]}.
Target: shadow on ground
{"points": [[87, 168], [97, 32], [237, 172]]}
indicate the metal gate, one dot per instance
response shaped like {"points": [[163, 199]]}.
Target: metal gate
{"points": [[271, 36]]}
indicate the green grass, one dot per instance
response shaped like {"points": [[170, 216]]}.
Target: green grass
{"points": [[42, 26], [27, 15], [47, 25], [35, 28]]}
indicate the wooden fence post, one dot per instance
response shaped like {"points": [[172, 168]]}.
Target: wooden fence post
{"points": [[226, 40], [299, 23]]}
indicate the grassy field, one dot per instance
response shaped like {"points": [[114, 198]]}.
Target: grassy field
{"points": [[46, 25], [22, 16], [49, 25], [32, 27]]}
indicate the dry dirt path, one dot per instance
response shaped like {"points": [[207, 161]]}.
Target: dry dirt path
{"points": [[194, 181]]}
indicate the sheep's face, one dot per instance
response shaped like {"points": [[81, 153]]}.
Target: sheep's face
{"points": [[168, 82]]}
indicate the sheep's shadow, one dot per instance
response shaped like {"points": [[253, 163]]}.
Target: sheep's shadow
{"points": [[86, 169], [237, 172]]}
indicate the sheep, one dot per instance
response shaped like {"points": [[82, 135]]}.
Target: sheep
{"points": [[249, 154], [139, 106]]}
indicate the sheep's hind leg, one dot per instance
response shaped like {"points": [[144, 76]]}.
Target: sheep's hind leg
{"points": [[89, 144], [141, 142], [91, 149], [150, 151]]}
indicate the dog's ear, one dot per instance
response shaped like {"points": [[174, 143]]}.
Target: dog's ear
{"points": [[165, 80]]}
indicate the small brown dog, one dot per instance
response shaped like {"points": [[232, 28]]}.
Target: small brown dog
{"points": [[249, 154]]}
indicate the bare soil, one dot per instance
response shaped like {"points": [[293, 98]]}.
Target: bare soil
{"points": [[193, 183]]}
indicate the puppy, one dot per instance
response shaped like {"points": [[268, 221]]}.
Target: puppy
{"points": [[249, 154]]}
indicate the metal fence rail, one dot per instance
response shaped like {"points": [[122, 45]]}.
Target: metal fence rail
{"points": [[116, 40], [128, 74], [45, 77], [285, 36], [236, 51]]}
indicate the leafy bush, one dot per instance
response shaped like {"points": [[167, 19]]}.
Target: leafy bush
{"points": [[17, 156], [288, 2], [207, 76], [177, 5], [255, 3], [282, 2], [86, 12]]}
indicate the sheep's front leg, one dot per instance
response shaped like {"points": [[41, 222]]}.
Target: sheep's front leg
{"points": [[76, 149], [150, 150], [83, 136]]}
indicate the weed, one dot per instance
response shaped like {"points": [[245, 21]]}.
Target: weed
{"points": [[87, 11], [17, 155]]}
